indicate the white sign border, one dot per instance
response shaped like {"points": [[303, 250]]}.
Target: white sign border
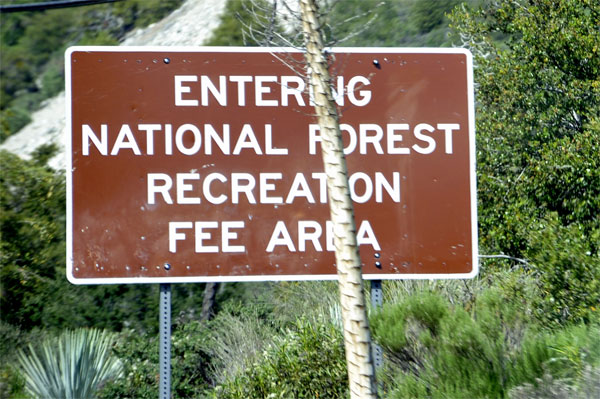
{"points": [[258, 278]]}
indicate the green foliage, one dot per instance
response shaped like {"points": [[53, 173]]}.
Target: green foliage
{"points": [[35, 292], [566, 177], [238, 336], [353, 22], [568, 264], [563, 353], [202, 353], [73, 365], [12, 120], [229, 32], [32, 200], [418, 315], [43, 153], [438, 350], [15, 74], [428, 15], [244, 342], [317, 299], [189, 364], [537, 124], [307, 361], [533, 90], [12, 383], [547, 387]]}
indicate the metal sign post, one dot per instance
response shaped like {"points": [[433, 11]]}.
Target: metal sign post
{"points": [[165, 342], [377, 302]]}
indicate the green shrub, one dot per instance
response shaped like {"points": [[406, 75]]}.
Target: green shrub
{"points": [[35, 291], [12, 120], [547, 387], [190, 364], [564, 243], [319, 301], [73, 365], [140, 367], [568, 269], [399, 326], [437, 350], [399, 23], [12, 383], [307, 361], [238, 335], [32, 202], [563, 354]]}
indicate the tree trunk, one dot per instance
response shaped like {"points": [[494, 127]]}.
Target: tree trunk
{"points": [[208, 302], [357, 336]]}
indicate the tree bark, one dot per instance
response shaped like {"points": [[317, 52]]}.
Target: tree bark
{"points": [[208, 301], [357, 337]]}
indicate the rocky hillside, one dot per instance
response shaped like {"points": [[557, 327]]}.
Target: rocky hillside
{"points": [[190, 25]]}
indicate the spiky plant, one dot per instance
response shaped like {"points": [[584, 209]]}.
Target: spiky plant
{"points": [[71, 366]]}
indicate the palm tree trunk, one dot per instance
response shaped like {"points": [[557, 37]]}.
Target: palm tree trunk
{"points": [[357, 336]]}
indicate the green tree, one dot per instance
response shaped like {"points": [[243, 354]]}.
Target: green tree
{"points": [[538, 109], [32, 200]]}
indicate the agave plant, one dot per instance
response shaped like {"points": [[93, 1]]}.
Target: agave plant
{"points": [[73, 365]]}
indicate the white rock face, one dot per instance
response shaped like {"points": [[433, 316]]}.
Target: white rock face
{"points": [[190, 25], [47, 126]]}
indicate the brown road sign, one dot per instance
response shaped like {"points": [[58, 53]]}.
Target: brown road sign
{"points": [[204, 164]]}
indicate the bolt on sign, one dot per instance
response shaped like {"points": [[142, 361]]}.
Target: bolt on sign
{"points": [[204, 164]]}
